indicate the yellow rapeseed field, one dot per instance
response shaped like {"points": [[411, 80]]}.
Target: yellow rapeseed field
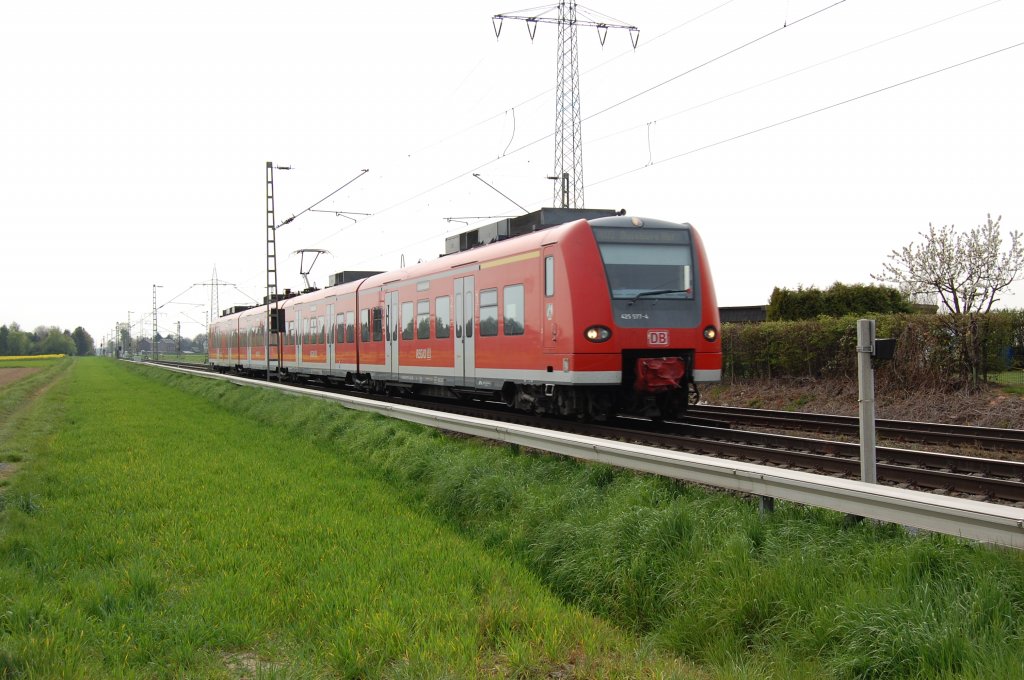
{"points": [[34, 356]]}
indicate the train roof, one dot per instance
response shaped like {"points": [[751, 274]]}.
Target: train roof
{"points": [[534, 229], [512, 227]]}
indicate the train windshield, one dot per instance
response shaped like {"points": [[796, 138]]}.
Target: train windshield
{"points": [[648, 263]]}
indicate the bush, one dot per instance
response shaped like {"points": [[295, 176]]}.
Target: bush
{"points": [[926, 352], [838, 301]]}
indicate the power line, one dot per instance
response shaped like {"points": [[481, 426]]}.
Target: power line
{"points": [[647, 42], [711, 61], [527, 145], [292, 218], [811, 113], [800, 70], [768, 127]]}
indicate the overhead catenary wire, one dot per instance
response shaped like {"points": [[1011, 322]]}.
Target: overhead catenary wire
{"points": [[529, 144], [545, 137], [538, 95], [800, 70], [292, 218], [807, 114], [765, 127], [710, 61]]}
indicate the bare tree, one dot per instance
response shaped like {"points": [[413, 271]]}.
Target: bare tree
{"points": [[966, 270]]}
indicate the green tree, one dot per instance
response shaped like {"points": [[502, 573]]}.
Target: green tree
{"points": [[56, 342], [84, 345], [18, 342]]}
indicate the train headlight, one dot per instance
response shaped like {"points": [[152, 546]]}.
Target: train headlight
{"points": [[597, 333], [710, 333]]}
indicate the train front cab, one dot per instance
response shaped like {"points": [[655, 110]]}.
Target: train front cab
{"points": [[659, 316]]}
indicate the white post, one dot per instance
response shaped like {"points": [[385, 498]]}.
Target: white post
{"points": [[866, 398]]}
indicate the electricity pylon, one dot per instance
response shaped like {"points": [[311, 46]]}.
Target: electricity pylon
{"points": [[568, 123]]}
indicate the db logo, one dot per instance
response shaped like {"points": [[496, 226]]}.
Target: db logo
{"points": [[657, 337]]}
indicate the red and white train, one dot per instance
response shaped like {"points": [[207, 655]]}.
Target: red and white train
{"points": [[598, 315]]}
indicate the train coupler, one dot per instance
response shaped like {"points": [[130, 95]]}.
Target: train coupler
{"points": [[655, 375]]}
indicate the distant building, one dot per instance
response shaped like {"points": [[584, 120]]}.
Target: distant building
{"points": [[748, 314]]}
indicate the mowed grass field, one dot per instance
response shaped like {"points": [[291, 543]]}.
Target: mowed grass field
{"points": [[160, 525]]}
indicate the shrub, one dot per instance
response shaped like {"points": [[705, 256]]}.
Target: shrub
{"points": [[926, 352]]}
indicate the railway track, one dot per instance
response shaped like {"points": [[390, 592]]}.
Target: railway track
{"points": [[708, 432], [986, 438], [993, 480]]}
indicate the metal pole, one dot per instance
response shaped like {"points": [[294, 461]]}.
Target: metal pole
{"points": [[271, 299], [866, 398]]}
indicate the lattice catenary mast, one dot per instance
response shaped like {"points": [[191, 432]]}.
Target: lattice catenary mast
{"points": [[568, 123]]}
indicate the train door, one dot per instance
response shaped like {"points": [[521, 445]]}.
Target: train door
{"points": [[465, 354], [391, 333], [328, 334], [300, 335], [549, 323]]}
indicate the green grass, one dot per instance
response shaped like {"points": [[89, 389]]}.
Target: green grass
{"points": [[800, 593], [155, 533], [1009, 381], [184, 358], [195, 527]]}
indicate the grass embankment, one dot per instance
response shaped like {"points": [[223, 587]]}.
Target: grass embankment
{"points": [[184, 358], [695, 573], [152, 532]]}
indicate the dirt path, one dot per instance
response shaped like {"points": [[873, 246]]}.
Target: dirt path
{"points": [[9, 375]]}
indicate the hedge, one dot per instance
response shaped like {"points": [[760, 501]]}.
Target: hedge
{"points": [[926, 350]]}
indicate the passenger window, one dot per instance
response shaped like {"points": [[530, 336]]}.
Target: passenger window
{"points": [[442, 310], [515, 317], [378, 324], [364, 325], [549, 275], [408, 322], [489, 312], [350, 326], [339, 328], [423, 320]]}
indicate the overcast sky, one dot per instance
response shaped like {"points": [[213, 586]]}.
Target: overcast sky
{"points": [[134, 138]]}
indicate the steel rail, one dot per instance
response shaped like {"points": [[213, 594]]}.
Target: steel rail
{"points": [[969, 519], [992, 438]]}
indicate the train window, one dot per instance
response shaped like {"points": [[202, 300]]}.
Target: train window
{"points": [[324, 333], [458, 315], [350, 326], [408, 321], [515, 318], [378, 324], [289, 337], [549, 275], [364, 324], [653, 270], [442, 308], [489, 312], [423, 320], [339, 328]]}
